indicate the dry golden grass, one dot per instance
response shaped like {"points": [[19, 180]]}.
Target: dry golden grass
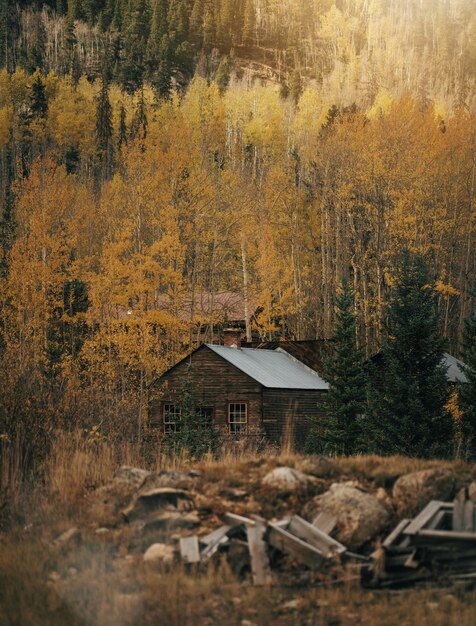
{"points": [[99, 585]]}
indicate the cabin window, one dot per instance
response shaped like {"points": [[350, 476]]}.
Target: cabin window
{"points": [[171, 418], [237, 417]]}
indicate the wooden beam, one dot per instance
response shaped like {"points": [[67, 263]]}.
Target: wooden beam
{"points": [[260, 567], [238, 520], [189, 549], [294, 546], [425, 516], [447, 535], [396, 533], [458, 514], [468, 516], [325, 544], [215, 535], [213, 541]]}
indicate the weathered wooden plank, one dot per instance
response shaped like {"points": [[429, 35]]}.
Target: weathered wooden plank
{"points": [[447, 535], [436, 521], [213, 541], [458, 514], [189, 549], [468, 516], [425, 516], [210, 549], [237, 520], [215, 535], [396, 533], [411, 561], [325, 544], [325, 522], [260, 567], [294, 546], [357, 557]]}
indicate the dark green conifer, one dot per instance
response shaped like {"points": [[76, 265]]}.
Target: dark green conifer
{"points": [[38, 100], [104, 138], [178, 21], [122, 131], [344, 371], [222, 75], [406, 413], [138, 130], [7, 221], [196, 22], [135, 28]]}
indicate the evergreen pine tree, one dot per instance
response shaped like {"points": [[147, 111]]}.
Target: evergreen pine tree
{"points": [[406, 413], [295, 85], [467, 391], [196, 22], [7, 222], [162, 80], [178, 21], [38, 100], [157, 52], [222, 75], [104, 139], [138, 130], [136, 26], [344, 371], [9, 32], [122, 131], [36, 49]]}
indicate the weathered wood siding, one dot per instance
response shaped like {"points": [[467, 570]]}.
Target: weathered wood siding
{"points": [[285, 412], [216, 383]]}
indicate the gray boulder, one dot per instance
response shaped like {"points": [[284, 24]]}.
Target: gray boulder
{"points": [[286, 479], [149, 503], [360, 516], [413, 491], [159, 554], [132, 476], [108, 501]]}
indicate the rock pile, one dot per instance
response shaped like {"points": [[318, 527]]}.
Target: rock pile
{"points": [[317, 522]]}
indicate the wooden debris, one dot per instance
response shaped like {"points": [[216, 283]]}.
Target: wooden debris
{"points": [[426, 515], [394, 539], [441, 539], [237, 520], [259, 557], [213, 541], [299, 549], [189, 549], [320, 540]]}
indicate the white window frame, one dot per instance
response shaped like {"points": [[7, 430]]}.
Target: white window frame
{"points": [[170, 409], [242, 423]]}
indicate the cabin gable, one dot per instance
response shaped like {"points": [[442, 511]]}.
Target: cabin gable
{"points": [[217, 384]]}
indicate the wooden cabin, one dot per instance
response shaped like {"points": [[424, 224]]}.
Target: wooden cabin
{"points": [[244, 391]]}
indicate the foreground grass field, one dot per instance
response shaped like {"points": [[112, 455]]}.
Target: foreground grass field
{"points": [[101, 584]]}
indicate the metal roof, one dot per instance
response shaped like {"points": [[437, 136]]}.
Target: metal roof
{"points": [[454, 373], [271, 368]]}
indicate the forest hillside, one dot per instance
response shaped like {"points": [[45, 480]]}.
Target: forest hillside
{"points": [[156, 155]]}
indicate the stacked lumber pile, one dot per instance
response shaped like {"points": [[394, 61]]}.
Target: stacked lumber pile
{"points": [[307, 544], [439, 541]]}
